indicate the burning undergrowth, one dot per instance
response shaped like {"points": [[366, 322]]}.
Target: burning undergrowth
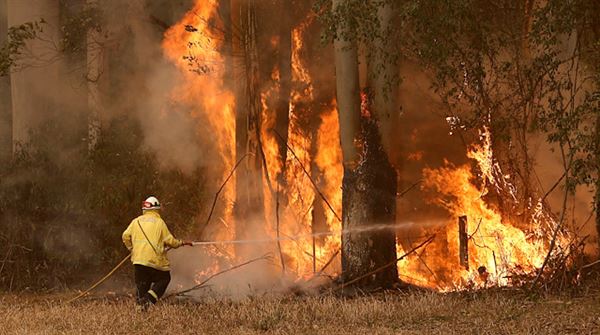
{"points": [[496, 251], [298, 223]]}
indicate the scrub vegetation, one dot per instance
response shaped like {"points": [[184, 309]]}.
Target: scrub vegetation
{"points": [[67, 209]]}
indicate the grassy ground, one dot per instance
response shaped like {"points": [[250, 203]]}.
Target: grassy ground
{"points": [[492, 312]]}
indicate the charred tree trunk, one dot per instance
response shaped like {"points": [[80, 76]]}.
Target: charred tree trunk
{"points": [[282, 116], [228, 42], [369, 198], [5, 97], [369, 183], [596, 36], [379, 111], [249, 197], [319, 218], [597, 195]]}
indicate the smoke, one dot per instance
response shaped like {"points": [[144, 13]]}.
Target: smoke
{"points": [[580, 215], [5, 101], [169, 129], [138, 81], [177, 129], [253, 275], [423, 140], [45, 85], [3, 15], [255, 269]]}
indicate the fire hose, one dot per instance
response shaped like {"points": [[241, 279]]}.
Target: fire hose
{"points": [[101, 280]]}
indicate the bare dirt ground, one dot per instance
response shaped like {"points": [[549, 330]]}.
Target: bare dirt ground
{"points": [[489, 312]]}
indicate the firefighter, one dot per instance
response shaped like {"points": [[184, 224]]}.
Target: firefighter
{"points": [[148, 239]]}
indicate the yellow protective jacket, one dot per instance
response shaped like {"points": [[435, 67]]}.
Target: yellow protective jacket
{"points": [[149, 249]]}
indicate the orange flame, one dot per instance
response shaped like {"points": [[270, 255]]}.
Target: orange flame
{"points": [[191, 45], [497, 249], [494, 243]]}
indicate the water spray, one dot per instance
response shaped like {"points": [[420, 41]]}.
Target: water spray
{"points": [[355, 230]]}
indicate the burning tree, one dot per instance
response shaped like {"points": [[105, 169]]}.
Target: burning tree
{"points": [[520, 71], [306, 154], [249, 203], [369, 185]]}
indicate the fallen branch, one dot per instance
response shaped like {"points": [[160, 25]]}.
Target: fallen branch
{"points": [[401, 194], [589, 265], [429, 269], [324, 266], [476, 229], [381, 268], [200, 285], [278, 233], [8, 253], [308, 175], [214, 203], [554, 186]]}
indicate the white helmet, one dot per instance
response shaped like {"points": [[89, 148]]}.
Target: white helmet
{"points": [[151, 203]]}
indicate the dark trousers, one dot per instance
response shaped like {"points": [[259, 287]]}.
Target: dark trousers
{"points": [[151, 283]]}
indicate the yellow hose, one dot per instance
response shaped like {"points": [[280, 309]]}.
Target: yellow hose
{"points": [[100, 281]]}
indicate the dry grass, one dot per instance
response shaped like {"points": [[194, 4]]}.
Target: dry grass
{"points": [[399, 313]]}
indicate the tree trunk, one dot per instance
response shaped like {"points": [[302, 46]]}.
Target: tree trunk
{"points": [[597, 198], [596, 36], [369, 199], [354, 253], [383, 78], [249, 208], [73, 107], [5, 97], [348, 96], [228, 41], [528, 6], [378, 129], [368, 185], [94, 68], [282, 112]]}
